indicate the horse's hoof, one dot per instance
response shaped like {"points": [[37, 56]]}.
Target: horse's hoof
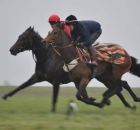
{"points": [[92, 99], [101, 105], [137, 100], [108, 102], [134, 107], [4, 97]]}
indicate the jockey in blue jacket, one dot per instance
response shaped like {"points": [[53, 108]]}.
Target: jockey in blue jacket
{"points": [[84, 33]]}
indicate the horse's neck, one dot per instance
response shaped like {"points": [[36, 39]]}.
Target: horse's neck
{"points": [[38, 50], [68, 53]]}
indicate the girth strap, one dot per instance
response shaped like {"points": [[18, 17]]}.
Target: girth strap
{"points": [[79, 54]]}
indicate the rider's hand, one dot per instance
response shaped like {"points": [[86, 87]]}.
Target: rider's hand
{"points": [[77, 44], [80, 44]]}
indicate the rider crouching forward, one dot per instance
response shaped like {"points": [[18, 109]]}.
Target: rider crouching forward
{"points": [[84, 33]]}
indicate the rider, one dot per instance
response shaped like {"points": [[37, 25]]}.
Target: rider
{"points": [[54, 21], [84, 33]]}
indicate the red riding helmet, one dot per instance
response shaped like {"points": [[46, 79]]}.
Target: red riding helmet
{"points": [[54, 18]]}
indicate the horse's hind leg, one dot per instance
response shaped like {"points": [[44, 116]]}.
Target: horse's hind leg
{"points": [[118, 71], [31, 81], [109, 93], [119, 94], [113, 88], [126, 104], [127, 87]]}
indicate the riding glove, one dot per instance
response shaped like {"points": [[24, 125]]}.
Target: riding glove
{"points": [[78, 44]]}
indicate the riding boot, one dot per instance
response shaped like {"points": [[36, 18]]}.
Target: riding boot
{"points": [[92, 53]]}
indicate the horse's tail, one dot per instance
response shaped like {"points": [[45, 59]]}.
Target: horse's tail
{"points": [[135, 67]]}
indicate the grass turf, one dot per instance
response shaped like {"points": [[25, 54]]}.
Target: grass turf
{"points": [[30, 109]]}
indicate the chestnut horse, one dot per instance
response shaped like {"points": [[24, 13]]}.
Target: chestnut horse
{"points": [[49, 67], [81, 74]]}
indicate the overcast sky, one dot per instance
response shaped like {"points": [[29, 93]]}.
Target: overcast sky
{"points": [[120, 21]]}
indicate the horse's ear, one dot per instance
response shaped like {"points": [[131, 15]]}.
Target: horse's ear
{"points": [[62, 26], [28, 28], [59, 25], [32, 28]]}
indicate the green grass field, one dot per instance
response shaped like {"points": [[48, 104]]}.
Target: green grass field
{"points": [[30, 110]]}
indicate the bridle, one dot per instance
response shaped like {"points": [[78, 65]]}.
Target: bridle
{"points": [[33, 48]]}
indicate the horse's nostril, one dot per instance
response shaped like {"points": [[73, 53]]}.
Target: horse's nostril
{"points": [[11, 50]]}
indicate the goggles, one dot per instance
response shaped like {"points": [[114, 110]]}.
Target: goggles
{"points": [[68, 23], [52, 23]]}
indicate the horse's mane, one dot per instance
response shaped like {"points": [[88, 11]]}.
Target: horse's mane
{"points": [[31, 30], [69, 37], [37, 34]]}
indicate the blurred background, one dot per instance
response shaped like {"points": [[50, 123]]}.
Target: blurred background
{"points": [[119, 20]]}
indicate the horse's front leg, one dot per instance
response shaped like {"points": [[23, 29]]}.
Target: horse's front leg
{"points": [[34, 79], [82, 93], [55, 94]]}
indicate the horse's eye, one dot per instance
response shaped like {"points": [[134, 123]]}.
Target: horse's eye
{"points": [[19, 37], [49, 32], [55, 32]]}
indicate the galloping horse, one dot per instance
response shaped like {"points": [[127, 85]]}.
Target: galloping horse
{"points": [[81, 74], [49, 67]]}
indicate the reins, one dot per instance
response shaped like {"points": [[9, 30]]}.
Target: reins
{"points": [[61, 48], [33, 54], [76, 49], [36, 49]]}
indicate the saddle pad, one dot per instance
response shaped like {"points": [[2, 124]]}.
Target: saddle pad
{"points": [[110, 52], [70, 66]]}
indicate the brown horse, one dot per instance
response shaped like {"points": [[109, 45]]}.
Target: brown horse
{"points": [[81, 74], [49, 67]]}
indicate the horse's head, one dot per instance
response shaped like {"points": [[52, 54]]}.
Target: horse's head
{"points": [[54, 36], [63, 42], [23, 43], [58, 37]]}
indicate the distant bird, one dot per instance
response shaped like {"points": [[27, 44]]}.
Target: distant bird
{"points": [[72, 108]]}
